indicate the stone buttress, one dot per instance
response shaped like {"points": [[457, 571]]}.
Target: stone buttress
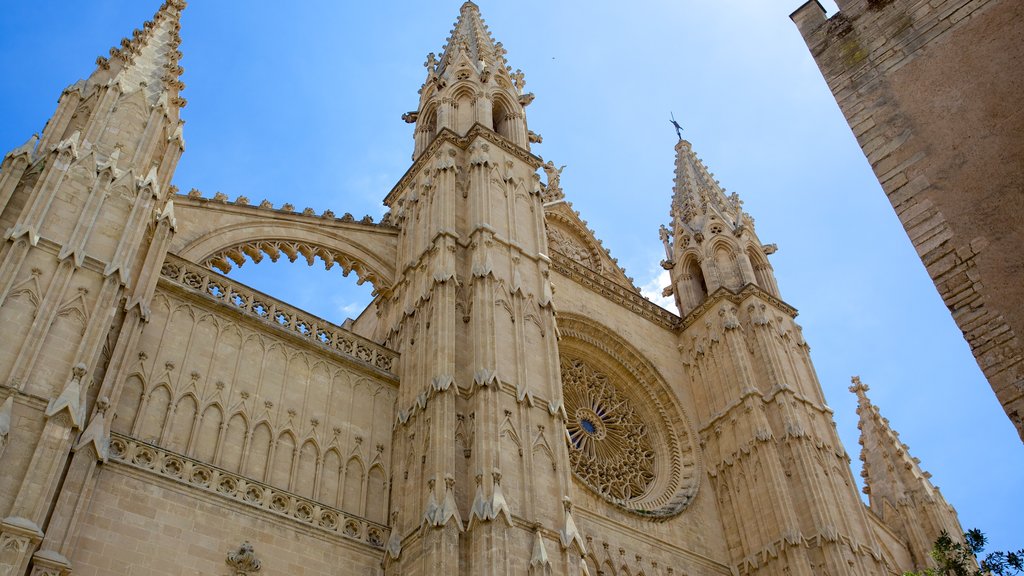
{"points": [[86, 218], [780, 475], [471, 315]]}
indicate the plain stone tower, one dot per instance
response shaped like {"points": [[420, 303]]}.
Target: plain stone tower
{"points": [[509, 403]]}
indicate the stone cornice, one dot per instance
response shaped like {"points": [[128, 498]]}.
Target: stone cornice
{"points": [[241, 206], [613, 291], [447, 136], [250, 493], [723, 294]]}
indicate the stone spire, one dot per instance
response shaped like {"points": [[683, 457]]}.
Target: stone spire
{"points": [[900, 492], [710, 242], [698, 198], [471, 84], [471, 37], [149, 57]]}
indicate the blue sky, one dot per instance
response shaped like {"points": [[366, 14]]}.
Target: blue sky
{"points": [[302, 105]]}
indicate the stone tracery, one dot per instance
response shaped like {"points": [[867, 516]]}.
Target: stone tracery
{"points": [[608, 443], [624, 441]]}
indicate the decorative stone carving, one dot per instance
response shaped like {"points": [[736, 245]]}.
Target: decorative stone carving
{"points": [[572, 248], [609, 447], [625, 442], [243, 561]]}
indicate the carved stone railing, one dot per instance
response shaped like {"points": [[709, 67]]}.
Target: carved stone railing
{"points": [[613, 291], [196, 474], [209, 284]]}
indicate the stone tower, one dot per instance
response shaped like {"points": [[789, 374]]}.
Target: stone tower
{"points": [[779, 471], [930, 92], [471, 314], [86, 218], [158, 417]]}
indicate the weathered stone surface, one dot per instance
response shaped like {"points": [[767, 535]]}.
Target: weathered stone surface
{"points": [[931, 91]]}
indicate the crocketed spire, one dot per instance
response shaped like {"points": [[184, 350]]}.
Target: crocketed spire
{"points": [[900, 493], [471, 36], [149, 57]]}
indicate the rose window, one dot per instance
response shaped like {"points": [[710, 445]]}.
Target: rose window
{"points": [[609, 446]]}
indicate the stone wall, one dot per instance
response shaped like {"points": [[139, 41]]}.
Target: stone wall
{"points": [[253, 395], [932, 91], [141, 524]]}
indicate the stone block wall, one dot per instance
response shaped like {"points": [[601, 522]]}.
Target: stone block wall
{"points": [[931, 90]]}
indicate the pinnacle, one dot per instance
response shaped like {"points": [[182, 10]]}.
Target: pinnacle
{"points": [[148, 59], [470, 35], [889, 469], [860, 389], [696, 190]]}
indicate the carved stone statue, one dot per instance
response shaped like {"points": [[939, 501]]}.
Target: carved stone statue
{"points": [[554, 175]]}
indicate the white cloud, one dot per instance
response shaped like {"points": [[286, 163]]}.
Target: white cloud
{"points": [[658, 279]]}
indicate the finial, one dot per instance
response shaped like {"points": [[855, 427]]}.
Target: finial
{"points": [[679, 129], [859, 388]]}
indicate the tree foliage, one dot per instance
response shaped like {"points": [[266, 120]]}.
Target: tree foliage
{"points": [[955, 558]]}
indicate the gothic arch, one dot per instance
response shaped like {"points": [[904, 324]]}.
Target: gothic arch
{"points": [[762, 270], [634, 383], [501, 110], [694, 285], [222, 235]]}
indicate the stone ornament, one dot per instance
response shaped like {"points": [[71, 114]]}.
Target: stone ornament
{"points": [[608, 443], [243, 561]]}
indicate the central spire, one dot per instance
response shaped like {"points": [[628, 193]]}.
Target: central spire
{"points": [[471, 84], [471, 36]]}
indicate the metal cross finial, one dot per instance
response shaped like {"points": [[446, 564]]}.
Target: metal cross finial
{"points": [[679, 129]]}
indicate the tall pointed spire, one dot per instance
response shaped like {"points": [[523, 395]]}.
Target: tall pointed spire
{"points": [[710, 243], [149, 58], [900, 492], [698, 197], [471, 36], [471, 84]]}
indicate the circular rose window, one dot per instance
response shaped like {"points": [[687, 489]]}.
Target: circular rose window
{"points": [[610, 449], [624, 442]]}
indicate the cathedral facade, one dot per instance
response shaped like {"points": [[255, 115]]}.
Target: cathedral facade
{"points": [[509, 403]]}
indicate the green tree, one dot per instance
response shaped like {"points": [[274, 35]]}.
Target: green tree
{"points": [[960, 558]]}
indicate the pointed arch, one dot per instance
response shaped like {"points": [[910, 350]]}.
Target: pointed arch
{"points": [[693, 285], [208, 434], [728, 268], [152, 423], [304, 483], [258, 452], [763, 272], [234, 442], [502, 112], [185, 410], [285, 452], [353, 493], [376, 494], [330, 479], [128, 404]]}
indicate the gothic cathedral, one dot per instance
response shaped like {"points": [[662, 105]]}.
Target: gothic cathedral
{"points": [[508, 403]]}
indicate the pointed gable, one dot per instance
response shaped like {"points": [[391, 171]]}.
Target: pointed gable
{"points": [[568, 236]]}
